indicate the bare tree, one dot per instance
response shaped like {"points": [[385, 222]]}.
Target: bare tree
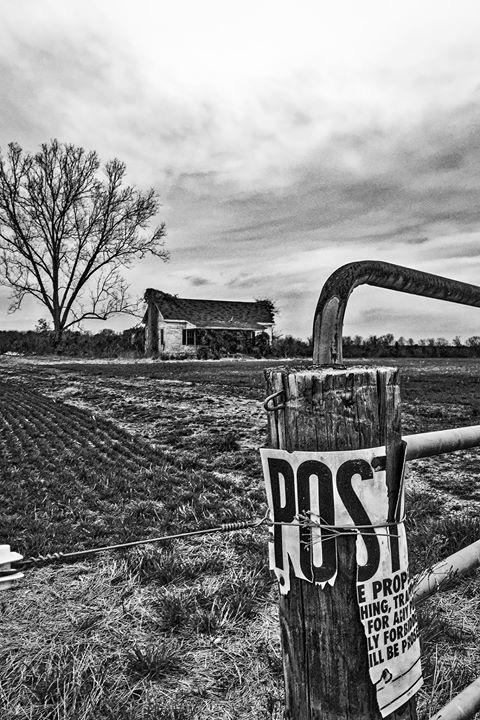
{"points": [[66, 233]]}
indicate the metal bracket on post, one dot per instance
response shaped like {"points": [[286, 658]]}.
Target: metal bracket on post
{"points": [[330, 311], [268, 404]]}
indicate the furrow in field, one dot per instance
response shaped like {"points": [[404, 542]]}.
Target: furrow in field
{"points": [[76, 428]]}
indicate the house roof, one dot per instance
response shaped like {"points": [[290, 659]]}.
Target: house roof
{"points": [[219, 314]]}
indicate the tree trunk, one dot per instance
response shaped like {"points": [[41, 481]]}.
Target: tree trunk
{"points": [[57, 333]]}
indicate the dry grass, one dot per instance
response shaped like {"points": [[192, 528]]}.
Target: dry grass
{"points": [[102, 640], [450, 629], [187, 630]]}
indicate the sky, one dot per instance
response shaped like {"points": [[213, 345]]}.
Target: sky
{"points": [[284, 139]]}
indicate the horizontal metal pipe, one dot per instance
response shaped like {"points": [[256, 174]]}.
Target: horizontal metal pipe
{"points": [[332, 303], [427, 444], [463, 706], [457, 565]]}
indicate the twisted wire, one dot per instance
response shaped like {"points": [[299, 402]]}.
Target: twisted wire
{"points": [[337, 530], [301, 521], [50, 558]]}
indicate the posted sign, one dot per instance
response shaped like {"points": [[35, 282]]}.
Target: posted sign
{"points": [[311, 496]]}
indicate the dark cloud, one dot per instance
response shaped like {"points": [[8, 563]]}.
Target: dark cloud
{"points": [[448, 161], [404, 185], [53, 83], [456, 247], [388, 315], [197, 280], [378, 194], [244, 280]]}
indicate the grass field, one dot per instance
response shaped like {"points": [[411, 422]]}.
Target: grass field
{"points": [[94, 453]]}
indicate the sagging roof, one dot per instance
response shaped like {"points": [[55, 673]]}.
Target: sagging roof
{"points": [[218, 314]]}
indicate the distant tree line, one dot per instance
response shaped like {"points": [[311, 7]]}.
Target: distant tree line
{"points": [[131, 343], [389, 346], [378, 346], [105, 344]]}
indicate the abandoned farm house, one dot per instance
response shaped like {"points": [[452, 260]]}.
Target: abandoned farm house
{"points": [[205, 328]]}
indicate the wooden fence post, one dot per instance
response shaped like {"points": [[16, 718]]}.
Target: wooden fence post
{"points": [[323, 640]]}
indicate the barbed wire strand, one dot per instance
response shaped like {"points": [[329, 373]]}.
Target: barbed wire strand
{"points": [[302, 521], [50, 558]]}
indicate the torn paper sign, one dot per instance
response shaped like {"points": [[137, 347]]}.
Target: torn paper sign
{"points": [[390, 624], [311, 497], [305, 489]]}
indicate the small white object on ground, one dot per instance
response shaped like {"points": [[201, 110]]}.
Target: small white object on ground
{"points": [[8, 577]]}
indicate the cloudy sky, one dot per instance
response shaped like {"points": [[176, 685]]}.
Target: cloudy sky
{"points": [[284, 138]]}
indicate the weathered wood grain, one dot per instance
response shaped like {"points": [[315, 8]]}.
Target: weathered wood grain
{"points": [[324, 645]]}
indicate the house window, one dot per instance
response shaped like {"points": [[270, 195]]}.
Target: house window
{"points": [[162, 336], [188, 337]]}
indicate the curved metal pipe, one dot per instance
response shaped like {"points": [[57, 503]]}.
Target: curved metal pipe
{"points": [[463, 706], [330, 311], [457, 565]]}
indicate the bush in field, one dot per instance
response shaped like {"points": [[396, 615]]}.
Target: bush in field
{"points": [[289, 346], [215, 344]]}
